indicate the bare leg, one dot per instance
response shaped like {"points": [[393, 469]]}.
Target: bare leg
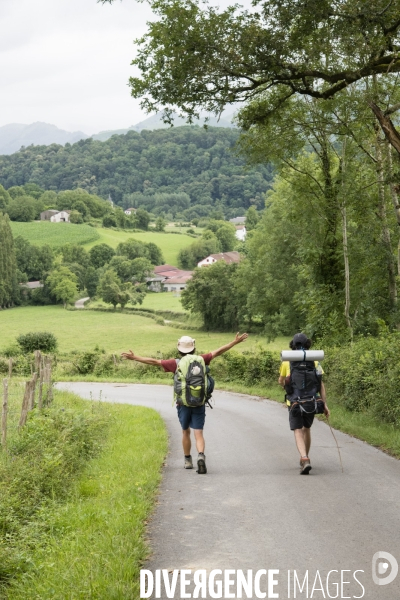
{"points": [[300, 442], [200, 443], [186, 441], [307, 439]]}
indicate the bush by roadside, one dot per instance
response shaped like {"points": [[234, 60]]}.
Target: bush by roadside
{"points": [[365, 376], [39, 469], [95, 543]]}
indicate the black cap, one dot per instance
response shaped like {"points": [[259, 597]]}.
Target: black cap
{"points": [[300, 338]]}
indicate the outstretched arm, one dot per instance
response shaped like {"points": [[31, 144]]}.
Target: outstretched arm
{"points": [[155, 362], [238, 339]]}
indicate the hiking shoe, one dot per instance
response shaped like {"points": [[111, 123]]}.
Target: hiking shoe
{"points": [[305, 466], [201, 465], [188, 462]]}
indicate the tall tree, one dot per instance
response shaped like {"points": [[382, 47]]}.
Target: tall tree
{"points": [[283, 49], [9, 292]]}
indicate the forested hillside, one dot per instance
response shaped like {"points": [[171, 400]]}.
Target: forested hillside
{"points": [[183, 169]]}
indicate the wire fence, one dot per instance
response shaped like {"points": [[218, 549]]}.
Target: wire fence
{"points": [[18, 398]]}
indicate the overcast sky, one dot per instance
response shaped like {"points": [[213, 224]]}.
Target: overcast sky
{"points": [[67, 62]]}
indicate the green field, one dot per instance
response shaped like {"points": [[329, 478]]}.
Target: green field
{"points": [[170, 244], [58, 234], [54, 234], [155, 301], [114, 331], [163, 301]]}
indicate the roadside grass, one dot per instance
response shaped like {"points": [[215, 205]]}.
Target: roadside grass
{"points": [[38, 470], [113, 331], [55, 234], [169, 243], [95, 542]]}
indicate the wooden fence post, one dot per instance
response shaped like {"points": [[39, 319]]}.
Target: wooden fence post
{"points": [[38, 356], [41, 375], [47, 380], [4, 414], [32, 391], [25, 404]]}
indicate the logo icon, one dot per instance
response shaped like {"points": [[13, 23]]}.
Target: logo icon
{"points": [[380, 565]]}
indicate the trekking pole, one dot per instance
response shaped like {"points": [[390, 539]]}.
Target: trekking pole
{"points": [[334, 437]]}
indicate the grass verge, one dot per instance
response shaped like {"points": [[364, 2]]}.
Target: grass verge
{"points": [[93, 542]]}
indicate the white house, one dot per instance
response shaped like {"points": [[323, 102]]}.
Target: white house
{"points": [[129, 211], [55, 216], [228, 257], [241, 232]]}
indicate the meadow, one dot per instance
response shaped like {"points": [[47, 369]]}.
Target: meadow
{"points": [[58, 234], [159, 301], [115, 332], [169, 243], [54, 234]]}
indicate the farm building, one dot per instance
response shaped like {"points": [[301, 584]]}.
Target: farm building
{"points": [[177, 283], [228, 257], [55, 216], [168, 279], [129, 211]]}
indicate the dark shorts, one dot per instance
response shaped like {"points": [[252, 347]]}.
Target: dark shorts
{"points": [[299, 419], [191, 417]]}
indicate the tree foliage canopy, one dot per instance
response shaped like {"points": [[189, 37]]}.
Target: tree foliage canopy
{"points": [[278, 50], [184, 171]]}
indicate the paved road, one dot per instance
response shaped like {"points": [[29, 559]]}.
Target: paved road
{"points": [[254, 511], [81, 303]]}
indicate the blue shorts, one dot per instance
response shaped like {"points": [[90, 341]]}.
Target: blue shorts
{"points": [[191, 417]]}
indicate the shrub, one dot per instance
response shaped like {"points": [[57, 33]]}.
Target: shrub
{"points": [[85, 362], [45, 459], [37, 340], [3, 366], [11, 351], [365, 376], [104, 366]]}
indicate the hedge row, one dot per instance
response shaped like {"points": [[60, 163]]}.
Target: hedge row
{"points": [[366, 376]]}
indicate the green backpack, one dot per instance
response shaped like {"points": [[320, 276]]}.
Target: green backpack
{"points": [[190, 381]]}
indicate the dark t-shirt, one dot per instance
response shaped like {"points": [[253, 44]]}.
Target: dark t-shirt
{"points": [[169, 365]]}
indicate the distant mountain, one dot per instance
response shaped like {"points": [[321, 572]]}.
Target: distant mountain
{"points": [[155, 122], [15, 135]]}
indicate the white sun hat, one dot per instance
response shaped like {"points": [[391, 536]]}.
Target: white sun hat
{"points": [[186, 344]]}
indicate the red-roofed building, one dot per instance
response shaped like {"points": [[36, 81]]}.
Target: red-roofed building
{"points": [[228, 257], [168, 278]]}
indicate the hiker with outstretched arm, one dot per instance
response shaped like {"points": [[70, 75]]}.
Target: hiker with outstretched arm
{"points": [[306, 397], [191, 390]]}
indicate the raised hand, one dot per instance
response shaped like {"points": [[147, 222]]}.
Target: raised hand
{"points": [[241, 337], [128, 355]]}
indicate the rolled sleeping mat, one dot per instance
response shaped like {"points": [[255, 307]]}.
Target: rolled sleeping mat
{"points": [[296, 355]]}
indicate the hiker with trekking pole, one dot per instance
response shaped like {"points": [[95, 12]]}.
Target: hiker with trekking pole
{"points": [[301, 377], [193, 386]]}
